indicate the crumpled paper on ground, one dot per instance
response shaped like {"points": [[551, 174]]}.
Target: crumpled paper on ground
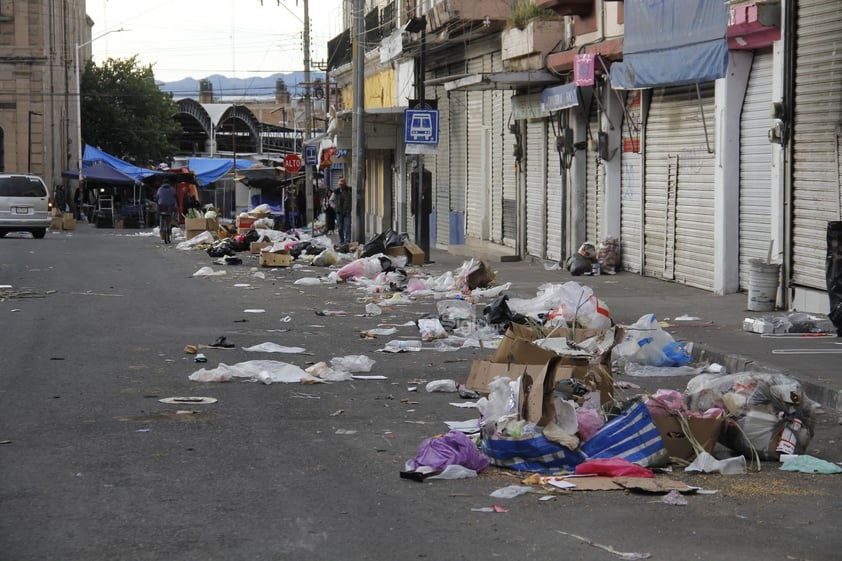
{"points": [[706, 463]]}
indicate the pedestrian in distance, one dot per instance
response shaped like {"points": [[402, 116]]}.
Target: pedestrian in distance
{"points": [[59, 198], [342, 204], [167, 198]]}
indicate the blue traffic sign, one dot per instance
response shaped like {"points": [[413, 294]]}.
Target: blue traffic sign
{"points": [[311, 155], [421, 126]]}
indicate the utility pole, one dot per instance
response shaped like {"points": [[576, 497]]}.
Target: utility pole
{"points": [[358, 119], [308, 117]]}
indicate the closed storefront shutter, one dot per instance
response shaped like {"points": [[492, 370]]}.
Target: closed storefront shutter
{"points": [[755, 166], [679, 189], [817, 114], [441, 179], [593, 179], [630, 246], [554, 203], [458, 153], [536, 159], [511, 177]]}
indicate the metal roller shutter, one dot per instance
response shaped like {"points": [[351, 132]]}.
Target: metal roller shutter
{"points": [[755, 166], [554, 171], [593, 183], [458, 149], [509, 227], [630, 227], [817, 113], [441, 181], [498, 147], [536, 165], [679, 189]]}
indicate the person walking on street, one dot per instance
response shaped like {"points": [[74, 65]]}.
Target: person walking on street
{"points": [[167, 198], [343, 203]]}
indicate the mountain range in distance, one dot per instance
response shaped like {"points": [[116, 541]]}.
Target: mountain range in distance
{"points": [[252, 87]]}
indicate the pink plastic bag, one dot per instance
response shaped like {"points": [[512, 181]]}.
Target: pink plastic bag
{"points": [[612, 467]]}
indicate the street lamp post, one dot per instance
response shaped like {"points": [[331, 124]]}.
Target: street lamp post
{"points": [[79, 96], [29, 141]]}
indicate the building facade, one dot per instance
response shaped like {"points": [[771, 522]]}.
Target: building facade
{"points": [[38, 89]]}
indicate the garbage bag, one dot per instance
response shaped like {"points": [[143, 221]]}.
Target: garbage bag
{"points": [[768, 414], [646, 343], [251, 236], [453, 448], [499, 315], [223, 247], [578, 265], [833, 272], [376, 244]]}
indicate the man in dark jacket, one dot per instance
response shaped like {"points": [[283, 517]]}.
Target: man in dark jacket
{"points": [[343, 203]]}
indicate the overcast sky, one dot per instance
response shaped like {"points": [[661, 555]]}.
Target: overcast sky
{"points": [[197, 38]]}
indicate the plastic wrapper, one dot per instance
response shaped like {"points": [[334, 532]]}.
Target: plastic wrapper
{"points": [[608, 255], [352, 363], [768, 414], [613, 467], [646, 343], [431, 329], [501, 401]]}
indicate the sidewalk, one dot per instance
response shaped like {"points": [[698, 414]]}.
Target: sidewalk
{"points": [[716, 336]]}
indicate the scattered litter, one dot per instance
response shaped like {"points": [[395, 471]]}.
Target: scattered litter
{"points": [[511, 491], [465, 404], [493, 508], [254, 311], [360, 377], [705, 463], [809, 464], [191, 349], [626, 556], [221, 343], [337, 413], [285, 319], [200, 358], [470, 426], [454, 471], [448, 386], [191, 400], [209, 272], [143, 430], [269, 347], [401, 346], [352, 363], [331, 313], [345, 431], [378, 332], [266, 371], [674, 498], [308, 281], [685, 317], [373, 309]]}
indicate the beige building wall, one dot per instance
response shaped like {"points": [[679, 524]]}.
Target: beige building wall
{"points": [[38, 87]]}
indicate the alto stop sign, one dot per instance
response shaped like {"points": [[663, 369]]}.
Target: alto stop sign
{"points": [[292, 163]]}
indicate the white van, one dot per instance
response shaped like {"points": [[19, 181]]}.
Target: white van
{"points": [[25, 204]]}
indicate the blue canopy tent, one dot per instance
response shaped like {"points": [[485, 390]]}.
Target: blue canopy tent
{"points": [[92, 155], [101, 172], [208, 170]]}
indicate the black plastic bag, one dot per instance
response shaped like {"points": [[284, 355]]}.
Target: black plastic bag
{"points": [[376, 244], [578, 265], [393, 239], [833, 273], [223, 248], [499, 315], [250, 236]]}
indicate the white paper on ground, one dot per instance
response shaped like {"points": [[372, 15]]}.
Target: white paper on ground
{"points": [[269, 347], [266, 371]]}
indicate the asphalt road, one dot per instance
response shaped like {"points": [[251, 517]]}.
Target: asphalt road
{"points": [[94, 467]]}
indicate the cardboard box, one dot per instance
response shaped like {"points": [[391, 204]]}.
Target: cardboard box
{"points": [[201, 224], [68, 222], [415, 255], [397, 251], [518, 343], [272, 259], [56, 223], [245, 223], [255, 247], [705, 431], [538, 382]]}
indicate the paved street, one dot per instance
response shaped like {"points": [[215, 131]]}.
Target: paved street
{"points": [[93, 466]]}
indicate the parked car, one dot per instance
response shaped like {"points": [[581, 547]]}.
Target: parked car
{"points": [[25, 204]]}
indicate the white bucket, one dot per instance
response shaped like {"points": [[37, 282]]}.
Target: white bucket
{"points": [[762, 285]]}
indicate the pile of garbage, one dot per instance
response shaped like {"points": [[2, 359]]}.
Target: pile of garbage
{"points": [[546, 396]]}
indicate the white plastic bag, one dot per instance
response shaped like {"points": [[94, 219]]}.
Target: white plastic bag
{"points": [[352, 363]]}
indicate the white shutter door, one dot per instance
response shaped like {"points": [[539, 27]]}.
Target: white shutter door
{"points": [[511, 177], [458, 158], [679, 190], [441, 181], [817, 113], [755, 166], [535, 187], [593, 185], [630, 246], [499, 135], [477, 158], [554, 171]]}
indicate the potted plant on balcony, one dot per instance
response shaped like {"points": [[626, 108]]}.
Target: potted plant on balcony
{"points": [[530, 34]]}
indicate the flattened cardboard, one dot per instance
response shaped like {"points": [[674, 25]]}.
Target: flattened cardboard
{"points": [[270, 259], [706, 432], [518, 343], [483, 372], [255, 247], [414, 254]]}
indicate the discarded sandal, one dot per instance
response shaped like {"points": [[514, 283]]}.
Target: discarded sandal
{"points": [[221, 343]]}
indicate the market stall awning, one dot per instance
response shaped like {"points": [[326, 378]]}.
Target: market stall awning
{"points": [[672, 42], [208, 170], [92, 155], [101, 172]]}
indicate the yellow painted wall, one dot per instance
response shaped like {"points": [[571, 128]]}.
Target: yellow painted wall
{"points": [[379, 91]]}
